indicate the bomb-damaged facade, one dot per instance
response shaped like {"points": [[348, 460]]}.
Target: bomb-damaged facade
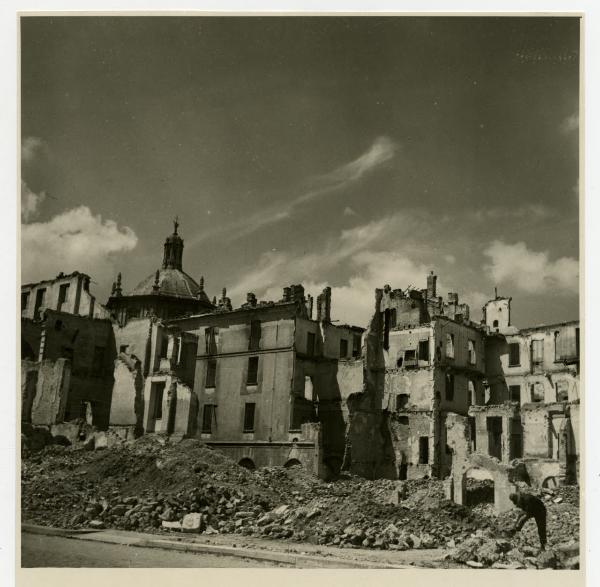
{"points": [[269, 384]]}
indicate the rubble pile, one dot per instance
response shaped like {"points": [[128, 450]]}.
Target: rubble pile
{"points": [[152, 485]]}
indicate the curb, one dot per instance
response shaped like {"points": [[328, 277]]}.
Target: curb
{"points": [[50, 531], [286, 558]]}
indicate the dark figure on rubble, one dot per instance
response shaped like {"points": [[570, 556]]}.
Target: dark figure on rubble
{"points": [[532, 507]]}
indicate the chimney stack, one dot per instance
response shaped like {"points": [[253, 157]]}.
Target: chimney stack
{"points": [[431, 286], [324, 306]]}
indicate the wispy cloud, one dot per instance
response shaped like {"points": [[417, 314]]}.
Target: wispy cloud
{"points": [[525, 212], [531, 271], [382, 150], [348, 211], [371, 255]]}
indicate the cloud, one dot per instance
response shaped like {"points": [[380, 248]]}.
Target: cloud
{"points": [[75, 240], [381, 151], [349, 211], [31, 147], [371, 255], [570, 124], [30, 202], [531, 271], [528, 211]]}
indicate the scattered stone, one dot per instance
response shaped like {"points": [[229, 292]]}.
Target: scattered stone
{"points": [[97, 524], [192, 522], [171, 525]]}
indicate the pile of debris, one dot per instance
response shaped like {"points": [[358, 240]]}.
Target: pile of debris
{"points": [[153, 485], [484, 550]]}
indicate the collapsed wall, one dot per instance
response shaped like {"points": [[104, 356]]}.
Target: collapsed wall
{"points": [[127, 405], [369, 447]]}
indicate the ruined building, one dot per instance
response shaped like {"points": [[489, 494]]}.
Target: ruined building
{"points": [[423, 392], [67, 372], [67, 352], [66, 293], [267, 381]]}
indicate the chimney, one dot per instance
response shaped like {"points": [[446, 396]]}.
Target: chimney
{"points": [[431, 285], [324, 306], [251, 299], [286, 294], [297, 293], [452, 298], [309, 306]]}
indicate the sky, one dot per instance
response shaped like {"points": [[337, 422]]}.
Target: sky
{"points": [[351, 152]]}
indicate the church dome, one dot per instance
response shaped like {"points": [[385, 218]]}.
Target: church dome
{"points": [[171, 282]]}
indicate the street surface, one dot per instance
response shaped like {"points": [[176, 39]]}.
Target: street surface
{"points": [[53, 551]]}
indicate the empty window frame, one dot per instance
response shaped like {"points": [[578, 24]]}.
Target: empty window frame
{"points": [[537, 353], [208, 417], [252, 377], [310, 343], [423, 450], [537, 392], [63, 296], [211, 373], [343, 348], [565, 344], [471, 352], [249, 413], [473, 433], [410, 358], [164, 345], [449, 387], [514, 354], [255, 332], [67, 353], [158, 389], [401, 401], [356, 344], [514, 393], [450, 346], [24, 300], [562, 391], [424, 350], [211, 337], [40, 294], [471, 393]]}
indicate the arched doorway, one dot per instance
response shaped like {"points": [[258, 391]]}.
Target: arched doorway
{"points": [[479, 487], [247, 464]]}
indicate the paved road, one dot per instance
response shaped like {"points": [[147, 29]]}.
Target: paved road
{"points": [[54, 551]]}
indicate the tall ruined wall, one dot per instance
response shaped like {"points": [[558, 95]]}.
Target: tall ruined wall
{"points": [[45, 394], [369, 448], [127, 406]]}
